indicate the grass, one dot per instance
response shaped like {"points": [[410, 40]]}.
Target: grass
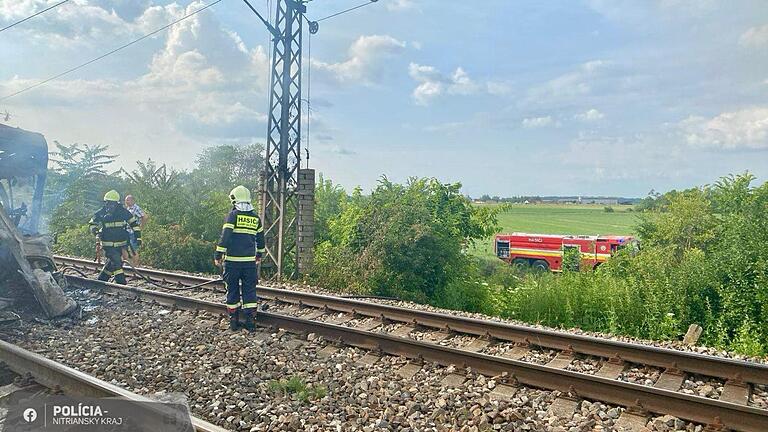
{"points": [[298, 387], [561, 219]]}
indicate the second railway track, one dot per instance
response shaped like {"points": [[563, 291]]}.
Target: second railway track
{"points": [[62, 379], [730, 411]]}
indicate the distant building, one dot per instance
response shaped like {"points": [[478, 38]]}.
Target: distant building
{"points": [[602, 201], [584, 200]]}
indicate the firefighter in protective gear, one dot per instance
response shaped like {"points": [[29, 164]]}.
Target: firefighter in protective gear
{"points": [[109, 225], [240, 248]]}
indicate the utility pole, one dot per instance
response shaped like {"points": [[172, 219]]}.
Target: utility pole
{"points": [[288, 191], [287, 204]]}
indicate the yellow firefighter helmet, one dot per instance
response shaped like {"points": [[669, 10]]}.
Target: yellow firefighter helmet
{"points": [[112, 196], [240, 194]]}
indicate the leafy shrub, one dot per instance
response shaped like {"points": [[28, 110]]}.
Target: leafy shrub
{"points": [[169, 247], [76, 241], [608, 209], [571, 259], [703, 261], [407, 241]]}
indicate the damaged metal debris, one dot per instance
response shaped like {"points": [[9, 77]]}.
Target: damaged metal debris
{"points": [[26, 261]]}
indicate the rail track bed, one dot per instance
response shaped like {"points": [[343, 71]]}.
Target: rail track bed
{"points": [[645, 380], [154, 349], [27, 372]]}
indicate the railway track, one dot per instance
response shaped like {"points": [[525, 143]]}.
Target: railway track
{"points": [[329, 316], [62, 379]]}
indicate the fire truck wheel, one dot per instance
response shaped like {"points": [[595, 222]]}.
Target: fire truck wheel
{"points": [[520, 263], [540, 265]]}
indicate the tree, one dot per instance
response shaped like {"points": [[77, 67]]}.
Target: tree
{"points": [[330, 200], [226, 166], [149, 175], [81, 161], [408, 241], [159, 191], [76, 187], [686, 221]]}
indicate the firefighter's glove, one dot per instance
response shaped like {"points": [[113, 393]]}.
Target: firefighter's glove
{"points": [[94, 230]]}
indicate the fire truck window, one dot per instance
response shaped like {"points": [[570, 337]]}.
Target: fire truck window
{"points": [[502, 249]]}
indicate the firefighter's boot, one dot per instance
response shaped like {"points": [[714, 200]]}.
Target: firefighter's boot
{"points": [[250, 323], [104, 276], [234, 320], [120, 277]]}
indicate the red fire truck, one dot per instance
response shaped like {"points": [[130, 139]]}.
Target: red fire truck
{"points": [[545, 251]]}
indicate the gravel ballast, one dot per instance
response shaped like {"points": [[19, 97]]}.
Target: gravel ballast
{"points": [[233, 378]]}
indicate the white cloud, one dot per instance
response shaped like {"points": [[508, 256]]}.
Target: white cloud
{"points": [[590, 115], [339, 150], [400, 5], [83, 23], [755, 37], [365, 59], [204, 85], [746, 128], [433, 83], [538, 122], [570, 85]]}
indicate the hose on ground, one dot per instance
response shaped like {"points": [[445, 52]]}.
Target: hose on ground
{"points": [[136, 272], [64, 269]]}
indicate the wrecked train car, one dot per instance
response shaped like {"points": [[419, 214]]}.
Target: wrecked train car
{"points": [[25, 257]]}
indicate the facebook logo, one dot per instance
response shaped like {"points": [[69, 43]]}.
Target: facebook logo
{"points": [[30, 415]]}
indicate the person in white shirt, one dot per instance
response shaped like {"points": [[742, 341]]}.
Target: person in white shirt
{"points": [[138, 213]]}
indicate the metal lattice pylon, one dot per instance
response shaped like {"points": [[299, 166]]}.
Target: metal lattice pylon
{"points": [[279, 201]]}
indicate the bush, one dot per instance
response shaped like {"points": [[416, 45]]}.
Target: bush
{"points": [[703, 261], [76, 241], [406, 241], [169, 247], [571, 259], [608, 209]]}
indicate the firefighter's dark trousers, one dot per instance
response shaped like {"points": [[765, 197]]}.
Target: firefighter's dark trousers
{"points": [[241, 287], [114, 265]]}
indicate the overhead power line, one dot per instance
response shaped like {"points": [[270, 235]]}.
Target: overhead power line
{"points": [[347, 10], [33, 15], [269, 26], [150, 34]]}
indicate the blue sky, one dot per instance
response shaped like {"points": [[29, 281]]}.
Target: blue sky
{"points": [[506, 97]]}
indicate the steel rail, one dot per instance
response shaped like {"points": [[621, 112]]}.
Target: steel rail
{"points": [[729, 369], [650, 399], [73, 382]]}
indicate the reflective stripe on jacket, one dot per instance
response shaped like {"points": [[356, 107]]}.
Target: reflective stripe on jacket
{"points": [[110, 225], [242, 238]]}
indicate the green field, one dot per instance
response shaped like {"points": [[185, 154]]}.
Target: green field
{"points": [[561, 219]]}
